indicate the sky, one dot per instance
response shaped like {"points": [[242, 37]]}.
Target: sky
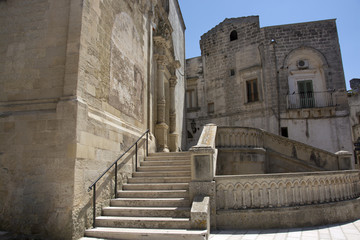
{"points": [[202, 15]]}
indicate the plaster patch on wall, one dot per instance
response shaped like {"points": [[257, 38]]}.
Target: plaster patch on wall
{"points": [[126, 75]]}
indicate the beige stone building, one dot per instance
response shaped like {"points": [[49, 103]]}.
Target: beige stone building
{"points": [[80, 81], [286, 79], [354, 102], [90, 84]]}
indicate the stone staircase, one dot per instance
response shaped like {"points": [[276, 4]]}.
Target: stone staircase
{"points": [[154, 204]]}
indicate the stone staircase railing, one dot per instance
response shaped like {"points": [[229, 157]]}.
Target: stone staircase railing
{"points": [[246, 137], [284, 190]]}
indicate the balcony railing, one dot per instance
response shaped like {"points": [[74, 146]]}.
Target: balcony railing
{"points": [[310, 100]]}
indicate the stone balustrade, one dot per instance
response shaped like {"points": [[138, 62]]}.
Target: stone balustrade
{"points": [[284, 190], [239, 137], [246, 137]]}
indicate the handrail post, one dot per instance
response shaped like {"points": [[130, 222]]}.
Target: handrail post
{"points": [[147, 142], [94, 205], [115, 179], [136, 156]]}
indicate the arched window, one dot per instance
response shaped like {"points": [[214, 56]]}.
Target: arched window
{"points": [[233, 35]]}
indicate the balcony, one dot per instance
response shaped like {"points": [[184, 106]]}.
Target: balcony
{"points": [[310, 100]]}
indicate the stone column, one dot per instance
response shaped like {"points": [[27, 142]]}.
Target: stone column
{"points": [[173, 142], [161, 130]]}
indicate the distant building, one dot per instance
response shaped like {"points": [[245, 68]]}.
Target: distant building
{"points": [[354, 102], [287, 79]]}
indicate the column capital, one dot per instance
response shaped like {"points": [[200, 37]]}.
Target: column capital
{"points": [[173, 81], [162, 61]]}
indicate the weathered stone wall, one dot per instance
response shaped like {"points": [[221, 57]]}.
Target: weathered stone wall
{"points": [[37, 133], [112, 86], [178, 38], [77, 89], [269, 56], [33, 49]]}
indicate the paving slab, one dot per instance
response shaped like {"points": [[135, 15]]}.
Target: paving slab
{"points": [[345, 231]]}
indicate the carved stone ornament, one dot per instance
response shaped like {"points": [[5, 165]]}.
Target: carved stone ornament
{"points": [[173, 81], [164, 30]]}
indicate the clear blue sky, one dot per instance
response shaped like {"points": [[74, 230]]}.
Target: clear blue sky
{"points": [[202, 15]]}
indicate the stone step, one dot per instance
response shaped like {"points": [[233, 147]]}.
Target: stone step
{"points": [[145, 234], [159, 180], [150, 202], [180, 212], [162, 174], [152, 194], [165, 163], [143, 222], [156, 186], [171, 154], [163, 168], [167, 158]]}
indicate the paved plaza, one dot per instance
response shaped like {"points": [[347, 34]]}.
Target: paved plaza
{"points": [[346, 231]]}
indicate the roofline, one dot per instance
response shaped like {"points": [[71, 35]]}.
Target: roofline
{"points": [[291, 24]]}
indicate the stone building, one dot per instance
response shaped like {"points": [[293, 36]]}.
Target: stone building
{"points": [[286, 79], [354, 102], [80, 81]]}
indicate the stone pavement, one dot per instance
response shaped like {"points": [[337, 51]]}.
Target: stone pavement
{"points": [[345, 231]]}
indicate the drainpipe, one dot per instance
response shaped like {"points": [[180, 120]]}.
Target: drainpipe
{"points": [[273, 43]]}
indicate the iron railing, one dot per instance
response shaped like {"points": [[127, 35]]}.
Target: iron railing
{"points": [[93, 185], [310, 100]]}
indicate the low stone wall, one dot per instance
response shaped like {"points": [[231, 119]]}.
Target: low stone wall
{"points": [[283, 190], [289, 217], [287, 200], [280, 151]]}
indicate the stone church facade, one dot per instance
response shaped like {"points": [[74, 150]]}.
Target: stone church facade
{"points": [[80, 81], [286, 79]]}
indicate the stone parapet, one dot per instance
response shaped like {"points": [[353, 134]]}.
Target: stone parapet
{"points": [[284, 190], [307, 158]]}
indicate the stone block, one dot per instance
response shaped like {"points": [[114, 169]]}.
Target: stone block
{"points": [[200, 213]]}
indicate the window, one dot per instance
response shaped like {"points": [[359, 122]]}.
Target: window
{"points": [[252, 91], [233, 35], [306, 94], [211, 107], [284, 132], [191, 100], [232, 72]]}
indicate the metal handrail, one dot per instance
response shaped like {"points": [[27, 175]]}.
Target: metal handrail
{"points": [[93, 185]]}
